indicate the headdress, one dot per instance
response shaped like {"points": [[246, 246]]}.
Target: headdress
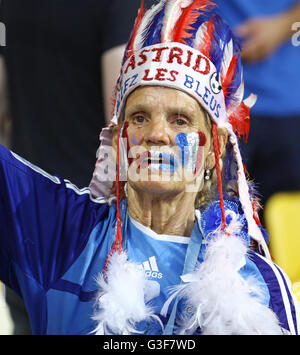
{"points": [[182, 44]]}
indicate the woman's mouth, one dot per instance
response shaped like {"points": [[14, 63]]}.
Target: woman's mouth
{"points": [[156, 160]]}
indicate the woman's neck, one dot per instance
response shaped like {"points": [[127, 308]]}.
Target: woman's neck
{"points": [[171, 216]]}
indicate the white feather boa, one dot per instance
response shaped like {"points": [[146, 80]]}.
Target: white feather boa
{"points": [[223, 301], [120, 303]]}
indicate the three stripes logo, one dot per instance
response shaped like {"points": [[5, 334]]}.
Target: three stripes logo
{"points": [[151, 268]]}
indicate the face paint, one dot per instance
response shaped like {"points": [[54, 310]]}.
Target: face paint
{"points": [[189, 144], [133, 140], [142, 160], [163, 161], [190, 157], [199, 158]]}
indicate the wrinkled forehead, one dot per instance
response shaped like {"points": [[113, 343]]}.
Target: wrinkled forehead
{"points": [[160, 96], [165, 100]]}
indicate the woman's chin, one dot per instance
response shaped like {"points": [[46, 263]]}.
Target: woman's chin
{"points": [[157, 186], [159, 181]]}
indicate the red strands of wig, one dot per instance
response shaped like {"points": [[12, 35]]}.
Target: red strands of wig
{"points": [[205, 48], [227, 83], [240, 121], [137, 24], [189, 16]]}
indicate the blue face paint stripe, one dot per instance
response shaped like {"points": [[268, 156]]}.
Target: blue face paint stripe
{"points": [[189, 147], [181, 140], [133, 139], [172, 164]]}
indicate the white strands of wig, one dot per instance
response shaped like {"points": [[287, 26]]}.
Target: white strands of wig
{"points": [[225, 303], [120, 303], [244, 196], [226, 60], [146, 21], [239, 94], [250, 101], [198, 41], [238, 98], [227, 57], [173, 12]]}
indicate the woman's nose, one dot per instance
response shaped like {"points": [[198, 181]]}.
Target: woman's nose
{"points": [[158, 132]]}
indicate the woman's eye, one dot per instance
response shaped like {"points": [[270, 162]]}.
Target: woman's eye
{"points": [[139, 119], [180, 121]]}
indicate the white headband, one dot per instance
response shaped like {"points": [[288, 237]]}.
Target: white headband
{"points": [[177, 66]]}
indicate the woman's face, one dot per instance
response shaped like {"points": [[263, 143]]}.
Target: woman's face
{"points": [[168, 140]]}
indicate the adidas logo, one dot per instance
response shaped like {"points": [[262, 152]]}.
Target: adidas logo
{"points": [[151, 269]]}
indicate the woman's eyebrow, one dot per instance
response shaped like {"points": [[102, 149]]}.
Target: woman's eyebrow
{"points": [[173, 110], [141, 107], [182, 111]]}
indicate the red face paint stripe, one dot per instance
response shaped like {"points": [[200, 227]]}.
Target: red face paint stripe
{"points": [[202, 139]]}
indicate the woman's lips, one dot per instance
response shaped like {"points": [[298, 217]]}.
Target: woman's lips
{"points": [[156, 160]]}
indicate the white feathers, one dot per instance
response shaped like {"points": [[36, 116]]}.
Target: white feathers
{"points": [[238, 98], [227, 57], [250, 101], [120, 303], [173, 12], [239, 94], [149, 15], [223, 301], [244, 195], [200, 35]]}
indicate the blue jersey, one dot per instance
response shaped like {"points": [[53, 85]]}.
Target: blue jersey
{"points": [[55, 239], [273, 78]]}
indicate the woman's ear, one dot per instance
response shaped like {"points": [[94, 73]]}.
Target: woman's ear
{"points": [[210, 161], [223, 138]]}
